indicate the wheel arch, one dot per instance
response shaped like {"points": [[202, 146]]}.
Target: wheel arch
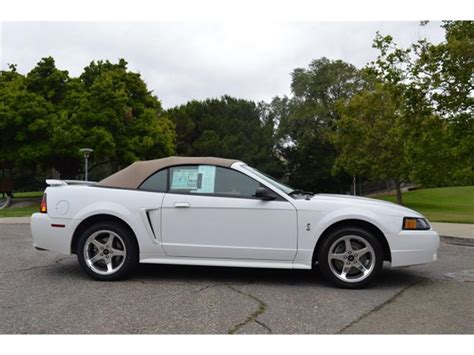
{"points": [[387, 256], [91, 220]]}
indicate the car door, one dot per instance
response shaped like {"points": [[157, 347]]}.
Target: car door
{"points": [[210, 212]]}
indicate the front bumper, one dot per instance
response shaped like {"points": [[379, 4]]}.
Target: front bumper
{"points": [[49, 233], [413, 247]]}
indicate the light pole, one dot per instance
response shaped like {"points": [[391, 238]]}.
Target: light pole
{"points": [[86, 152]]}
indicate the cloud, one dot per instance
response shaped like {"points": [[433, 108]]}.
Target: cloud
{"points": [[184, 61]]}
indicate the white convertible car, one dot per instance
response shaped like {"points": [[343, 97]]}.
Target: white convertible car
{"points": [[222, 212]]}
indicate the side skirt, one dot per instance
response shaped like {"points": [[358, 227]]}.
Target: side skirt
{"points": [[229, 263]]}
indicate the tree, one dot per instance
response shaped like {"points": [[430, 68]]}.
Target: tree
{"points": [[47, 81], [307, 119], [110, 109], [127, 119], [24, 118], [107, 108], [226, 127], [442, 77], [434, 85], [370, 136]]}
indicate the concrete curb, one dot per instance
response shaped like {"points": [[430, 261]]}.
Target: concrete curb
{"points": [[14, 220], [467, 242]]}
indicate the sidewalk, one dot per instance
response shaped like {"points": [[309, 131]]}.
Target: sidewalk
{"points": [[451, 233], [455, 233], [14, 220]]}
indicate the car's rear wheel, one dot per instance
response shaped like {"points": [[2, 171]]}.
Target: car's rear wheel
{"points": [[350, 257], [107, 251]]}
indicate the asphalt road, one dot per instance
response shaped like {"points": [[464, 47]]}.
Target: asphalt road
{"points": [[43, 292]]}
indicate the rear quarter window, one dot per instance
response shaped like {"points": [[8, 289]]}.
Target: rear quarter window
{"points": [[158, 182]]}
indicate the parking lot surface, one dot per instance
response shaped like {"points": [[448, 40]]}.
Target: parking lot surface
{"points": [[43, 292]]}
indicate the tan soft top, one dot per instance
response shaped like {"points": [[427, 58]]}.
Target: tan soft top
{"points": [[133, 175]]}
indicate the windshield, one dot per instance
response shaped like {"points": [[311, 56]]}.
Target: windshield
{"points": [[282, 187]]}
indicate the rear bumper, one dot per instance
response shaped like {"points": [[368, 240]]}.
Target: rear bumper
{"points": [[53, 234], [413, 247]]}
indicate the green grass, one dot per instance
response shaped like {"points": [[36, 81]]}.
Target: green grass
{"points": [[24, 211], [28, 194], [443, 204], [19, 211]]}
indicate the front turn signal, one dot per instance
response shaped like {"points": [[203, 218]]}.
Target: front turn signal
{"points": [[413, 223]]}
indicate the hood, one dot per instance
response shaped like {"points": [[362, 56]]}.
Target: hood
{"points": [[379, 206]]}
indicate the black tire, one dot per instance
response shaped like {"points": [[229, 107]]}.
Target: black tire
{"points": [[360, 236], [125, 265]]}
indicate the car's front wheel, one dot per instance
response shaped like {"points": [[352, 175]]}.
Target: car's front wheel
{"points": [[350, 257], [107, 251]]}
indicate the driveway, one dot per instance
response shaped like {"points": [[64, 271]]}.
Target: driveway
{"points": [[43, 292]]}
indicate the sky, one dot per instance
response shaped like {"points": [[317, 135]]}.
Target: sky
{"points": [[181, 61]]}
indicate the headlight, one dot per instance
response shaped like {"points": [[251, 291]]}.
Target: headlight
{"points": [[413, 223]]}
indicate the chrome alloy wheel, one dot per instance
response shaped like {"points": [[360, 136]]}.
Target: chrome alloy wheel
{"points": [[351, 258], [104, 252]]}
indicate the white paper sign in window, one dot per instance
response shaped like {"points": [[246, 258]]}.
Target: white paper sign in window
{"points": [[185, 179], [206, 179]]}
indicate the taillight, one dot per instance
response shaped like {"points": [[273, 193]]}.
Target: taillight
{"points": [[43, 206]]}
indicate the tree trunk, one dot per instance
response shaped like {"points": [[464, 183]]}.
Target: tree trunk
{"points": [[399, 191], [387, 182]]}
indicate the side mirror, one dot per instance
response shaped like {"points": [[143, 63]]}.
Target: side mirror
{"points": [[264, 193]]}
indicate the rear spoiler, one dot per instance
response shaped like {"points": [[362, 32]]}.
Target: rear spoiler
{"points": [[53, 182]]}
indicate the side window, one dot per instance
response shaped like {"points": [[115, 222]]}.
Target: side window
{"points": [[234, 183], [157, 182], [212, 180]]}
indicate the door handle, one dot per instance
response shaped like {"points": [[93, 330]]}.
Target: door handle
{"points": [[182, 205]]}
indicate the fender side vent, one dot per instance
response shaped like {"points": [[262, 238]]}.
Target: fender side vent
{"points": [[150, 224]]}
